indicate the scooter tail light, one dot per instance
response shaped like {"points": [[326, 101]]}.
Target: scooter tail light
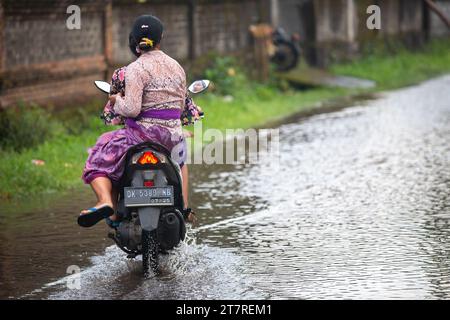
{"points": [[148, 158], [149, 183]]}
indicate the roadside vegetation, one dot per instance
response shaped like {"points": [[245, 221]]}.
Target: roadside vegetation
{"points": [[44, 151], [400, 67]]}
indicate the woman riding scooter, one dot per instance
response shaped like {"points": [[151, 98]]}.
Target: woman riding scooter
{"points": [[151, 106]]}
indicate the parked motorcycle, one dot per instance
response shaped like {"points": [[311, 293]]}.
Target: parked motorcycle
{"points": [[150, 202], [287, 53]]}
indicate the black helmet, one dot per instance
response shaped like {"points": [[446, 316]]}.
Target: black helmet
{"points": [[146, 33]]}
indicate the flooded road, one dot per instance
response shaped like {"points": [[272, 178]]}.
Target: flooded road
{"points": [[359, 208]]}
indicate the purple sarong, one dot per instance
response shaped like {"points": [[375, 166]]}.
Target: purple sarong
{"points": [[107, 157]]}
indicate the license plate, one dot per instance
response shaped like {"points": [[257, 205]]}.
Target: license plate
{"points": [[152, 196]]}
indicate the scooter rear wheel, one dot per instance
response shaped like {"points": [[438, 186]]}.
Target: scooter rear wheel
{"points": [[150, 250]]}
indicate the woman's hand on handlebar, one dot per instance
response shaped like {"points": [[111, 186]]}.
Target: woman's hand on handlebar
{"points": [[112, 98]]}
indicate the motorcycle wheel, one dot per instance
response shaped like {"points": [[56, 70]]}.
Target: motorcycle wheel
{"points": [[150, 250], [286, 56]]}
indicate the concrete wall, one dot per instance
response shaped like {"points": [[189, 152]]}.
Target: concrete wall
{"points": [[335, 20], [176, 35], [41, 61], [437, 27], [340, 30], [336, 30], [401, 16], [402, 21], [223, 26], [288, 15], [191, 30]]}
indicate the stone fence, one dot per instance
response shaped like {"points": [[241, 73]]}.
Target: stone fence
{"points": [[42, 61]]}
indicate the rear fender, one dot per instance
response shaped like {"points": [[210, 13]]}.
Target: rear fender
{"points": [[149, 217]]}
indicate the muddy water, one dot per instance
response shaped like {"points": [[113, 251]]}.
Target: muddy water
{"points": [[359, 207]]}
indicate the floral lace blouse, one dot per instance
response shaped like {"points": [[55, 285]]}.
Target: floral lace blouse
{"points": [[154, 81]]}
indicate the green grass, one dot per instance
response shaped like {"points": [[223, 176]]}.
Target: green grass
{"points": [[251, 110], [404, 68], [64, 158], [252, 106]]}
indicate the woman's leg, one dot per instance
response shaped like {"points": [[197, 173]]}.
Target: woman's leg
{"points": [[185, 186], [102, 187], [185, 175], [115, 197]]}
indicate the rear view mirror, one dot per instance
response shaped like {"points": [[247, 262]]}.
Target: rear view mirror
{"points": [[199, 86], [196, 87], [103, 86]]}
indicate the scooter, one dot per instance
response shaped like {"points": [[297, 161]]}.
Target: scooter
{"points": [[150, 204], [287, 53]]}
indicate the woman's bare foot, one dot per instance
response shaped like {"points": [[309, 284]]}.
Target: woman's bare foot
{"points": [[189, 215], [191, 218]]}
